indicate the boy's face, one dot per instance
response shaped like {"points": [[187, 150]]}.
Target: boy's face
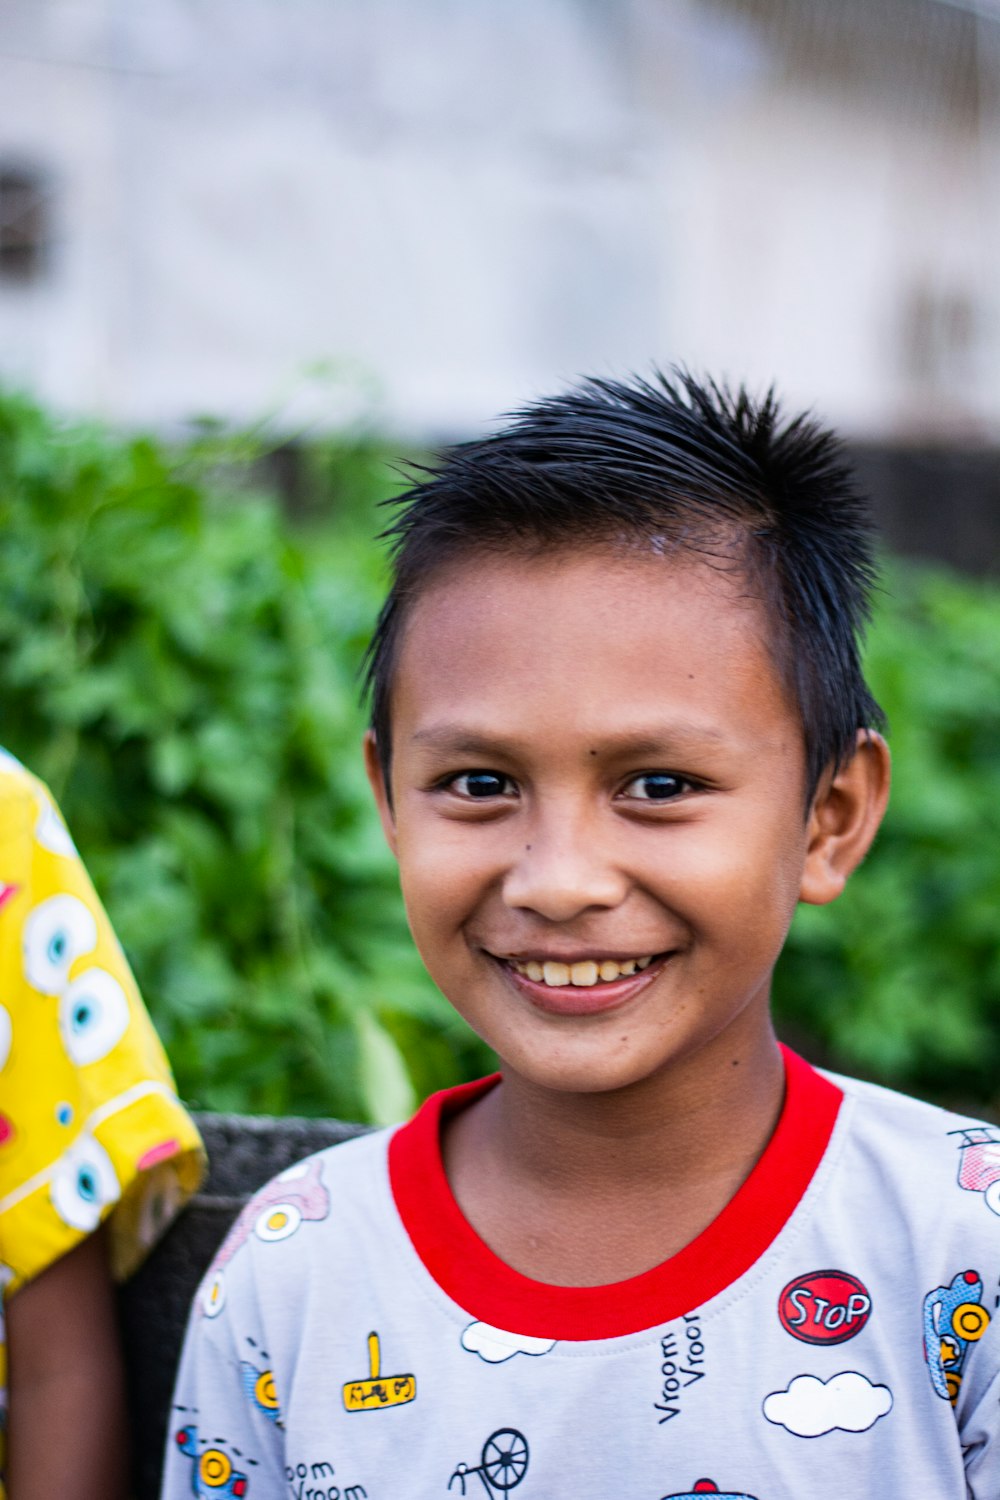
{"points": [[595, 764]]}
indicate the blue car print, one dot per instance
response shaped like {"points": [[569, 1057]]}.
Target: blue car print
{"points": [[212, 1472], [954, 1318]]}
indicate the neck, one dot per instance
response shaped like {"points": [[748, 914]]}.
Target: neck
{"points": [[671, 1149], [666, 1125]]}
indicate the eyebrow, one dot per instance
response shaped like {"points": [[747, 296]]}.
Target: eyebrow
{"points": [[681, 735]]}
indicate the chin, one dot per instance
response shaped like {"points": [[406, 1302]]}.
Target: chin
{"points": [[580, 1075]]}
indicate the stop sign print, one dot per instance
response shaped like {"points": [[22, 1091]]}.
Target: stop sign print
{"points": [[824, 1307]]}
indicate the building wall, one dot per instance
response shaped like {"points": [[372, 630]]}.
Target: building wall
{"points": [[832, 218], [277, 205]]}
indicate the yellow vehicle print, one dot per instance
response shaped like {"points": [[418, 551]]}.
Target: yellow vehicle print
{"points": [[260, 1389], [378, 1390]]}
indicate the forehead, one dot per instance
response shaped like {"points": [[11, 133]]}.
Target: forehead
{"points": [[588, 639]]}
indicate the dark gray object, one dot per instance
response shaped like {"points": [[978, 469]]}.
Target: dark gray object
{"points": [[244, 1152]]}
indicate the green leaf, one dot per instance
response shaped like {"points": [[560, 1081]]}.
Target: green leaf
{"points": [[385, 1086]]}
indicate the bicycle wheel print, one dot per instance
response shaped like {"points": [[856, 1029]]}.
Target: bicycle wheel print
{"points": [[505, 1458]]}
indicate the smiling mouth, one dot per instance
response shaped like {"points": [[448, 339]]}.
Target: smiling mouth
{"points": [[586, 987], [584, 975]]}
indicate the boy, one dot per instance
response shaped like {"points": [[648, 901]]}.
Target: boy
{"points": [[619, 731]]}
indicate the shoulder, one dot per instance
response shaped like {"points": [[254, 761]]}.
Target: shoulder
{"points": [[90, 1123], [901, 1117], [306, 1222], [21, 787], [890, 1107], [937, 1169], [16, 777], [27, 814], [344, 1173]]}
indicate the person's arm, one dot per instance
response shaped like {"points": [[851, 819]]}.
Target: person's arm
{"points": [[67, 1432]]}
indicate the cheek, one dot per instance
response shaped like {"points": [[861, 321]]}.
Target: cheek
{"points": [[736, 879], [446, 861], [440, 887]]}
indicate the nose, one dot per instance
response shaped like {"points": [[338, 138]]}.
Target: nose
{"points": [[562, 871]]}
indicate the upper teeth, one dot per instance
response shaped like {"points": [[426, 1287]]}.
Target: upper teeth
{"points": [[586, 973]]}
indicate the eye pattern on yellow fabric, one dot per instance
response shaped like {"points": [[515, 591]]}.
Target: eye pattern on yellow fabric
{"points": [[90, 1124], [93, 1015], [55, 933], [83, 1183]]}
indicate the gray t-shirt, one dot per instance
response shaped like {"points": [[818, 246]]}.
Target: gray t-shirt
{"points": [[831, 1334]]}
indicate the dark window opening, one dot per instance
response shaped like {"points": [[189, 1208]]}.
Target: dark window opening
{"points": [[24, 214]]}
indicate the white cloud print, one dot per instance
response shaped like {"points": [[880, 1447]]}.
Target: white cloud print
{"points": [[848, 1402], [495, 1345]]}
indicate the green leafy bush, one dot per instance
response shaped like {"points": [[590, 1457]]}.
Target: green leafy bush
{"points": [[900, 979], [180, 666], [178, 660]]}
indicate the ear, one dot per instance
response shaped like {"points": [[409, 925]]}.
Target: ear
{"points": [[373, 765], [844, 818]]}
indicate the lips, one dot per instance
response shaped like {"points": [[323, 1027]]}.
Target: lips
{"points": [[593, 997]]}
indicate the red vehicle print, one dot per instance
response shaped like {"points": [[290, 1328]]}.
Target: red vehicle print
{"points": [[709, 1487], [979, 1163], [294, 1197], [278, 1209]]}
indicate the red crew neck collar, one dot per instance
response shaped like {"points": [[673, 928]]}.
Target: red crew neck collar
{"points": [[488, 1289]]}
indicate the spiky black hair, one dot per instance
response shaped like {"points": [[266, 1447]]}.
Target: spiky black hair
{"points": [[683, 463]]}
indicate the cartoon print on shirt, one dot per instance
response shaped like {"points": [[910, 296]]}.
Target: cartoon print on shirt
{"points": [[502, 1465], [376, 1391], [258, 1384], [979, 1162], [93, 1008], [824, 1307], [494, 1345], [294, 1197], [56, 933], [83, 1184], [161, 1196], [213, 1474], [93, 1016], [51, 832], [94, 1011], [709, 1487], [811, 1407], [6, 1031], [954, 1318], [6, 1036], [212, 1297]]}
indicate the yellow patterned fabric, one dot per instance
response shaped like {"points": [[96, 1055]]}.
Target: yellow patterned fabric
{"points": [[90, 1124]]}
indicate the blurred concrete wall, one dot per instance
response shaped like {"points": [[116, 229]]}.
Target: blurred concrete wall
{"points": [[469, 201]]}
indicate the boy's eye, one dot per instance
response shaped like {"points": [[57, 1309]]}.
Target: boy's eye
{"points": [[480, 784], [656, 786]]}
